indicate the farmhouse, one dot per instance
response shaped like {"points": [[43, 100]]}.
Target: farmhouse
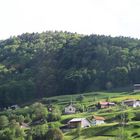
{"points": [[136, 87], [78, 122], [106, 104], [132, 103], [96, 120], [70, 109]]}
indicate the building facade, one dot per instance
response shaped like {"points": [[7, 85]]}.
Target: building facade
{"points": [[78, 122], [70, 109]]}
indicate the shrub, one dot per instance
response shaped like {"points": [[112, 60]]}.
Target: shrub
{"points": [[54, 134], [80, 98]]}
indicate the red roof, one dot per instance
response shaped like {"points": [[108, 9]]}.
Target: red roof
{"points": [[107, 103], [98, 118], [104, 103]]}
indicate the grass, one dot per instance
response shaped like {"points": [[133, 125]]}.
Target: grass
{"points": [[107, 131], [92, 138]]}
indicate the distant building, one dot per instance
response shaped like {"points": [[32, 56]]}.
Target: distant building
{"points": [[78, 122], [106, 104], [14, 107], [96, 120], [132, 103], [136, 87], [70, 109]]}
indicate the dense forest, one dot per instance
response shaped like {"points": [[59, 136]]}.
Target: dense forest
{"points": [[55, 63]]}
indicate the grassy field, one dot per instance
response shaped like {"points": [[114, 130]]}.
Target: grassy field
{"points": [[100, 96], [108, 131]]}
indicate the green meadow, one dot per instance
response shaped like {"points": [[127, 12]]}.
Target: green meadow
{"points": [[109, 130]]}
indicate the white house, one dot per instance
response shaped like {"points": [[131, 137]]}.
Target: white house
{"points": [[96, 120], [78, 122], [132, 103], [70, 109]]}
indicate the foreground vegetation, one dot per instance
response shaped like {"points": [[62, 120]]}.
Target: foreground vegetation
{"points": [[36, 122]]}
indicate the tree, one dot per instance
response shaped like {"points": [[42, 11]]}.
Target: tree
{"points": [[109, 85], [20, 119], [129, 116], [79, 107], [95, 99], [55, 115], [119, 76], [54, 134], [54, 63], [108, 99], [27, 119], [39, 132], [3, 121], [39, 111], [80, 98], [98, 105]]}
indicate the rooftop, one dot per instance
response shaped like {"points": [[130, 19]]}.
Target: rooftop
{"points": [[77, 119], [106, 103], [98, 118], [130, 100]]}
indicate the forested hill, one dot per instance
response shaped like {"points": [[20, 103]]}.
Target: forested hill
{"points": [[54, 63]]}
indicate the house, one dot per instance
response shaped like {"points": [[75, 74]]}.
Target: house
{"points": [[106, 104], [14, 107], [96, 120], [70, 109], [132, 103], [78, 122], [136, 87]]}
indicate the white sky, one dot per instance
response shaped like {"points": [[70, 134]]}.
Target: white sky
{"points": [[108, 17]]}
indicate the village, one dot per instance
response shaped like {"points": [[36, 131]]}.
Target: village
{"points": [[95, 120], [82, 112]]}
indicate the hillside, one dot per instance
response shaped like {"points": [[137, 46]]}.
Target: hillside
{"points": [[58, 63], [34, 121]]}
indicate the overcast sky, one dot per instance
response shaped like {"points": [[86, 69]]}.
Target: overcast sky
{"points": [[108, 17]]}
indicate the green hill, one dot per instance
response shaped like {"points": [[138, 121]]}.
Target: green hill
{"points": [[37, 65]]}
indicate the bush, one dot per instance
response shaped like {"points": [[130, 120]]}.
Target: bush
{"points": [[79, 107], [3, 121], [54, 134], [137, 116], [55, 115], [80, 98]]}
